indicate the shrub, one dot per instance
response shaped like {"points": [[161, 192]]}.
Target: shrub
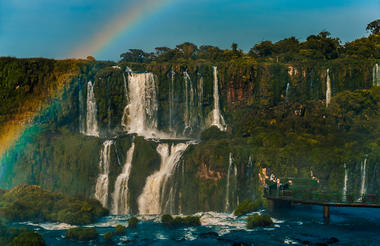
{"points": [[257, 220], [247, 206], [212, 132], [132, 222], [120, 229], [30, 202], [108, 235], [28, 239], [82, 234], [168, 220]]}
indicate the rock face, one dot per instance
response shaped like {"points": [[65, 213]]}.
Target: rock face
{"points": [[274, 117]]}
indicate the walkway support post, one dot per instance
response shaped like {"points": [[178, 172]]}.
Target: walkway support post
{"points": [[326, 213]]}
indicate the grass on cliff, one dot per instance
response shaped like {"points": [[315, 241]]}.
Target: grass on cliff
{"points": [[31, 203]]}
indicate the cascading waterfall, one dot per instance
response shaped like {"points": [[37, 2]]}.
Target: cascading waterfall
{"points": [[143, 105], [101, 188], [363, 171], [189, 102], [151, 199], [287, 91], [91, 121], [345, 184], [81, 110], [125, 111], [171, 100], [328, 88], [227, 206], [217, 118], [120, 195], [376, 75]]}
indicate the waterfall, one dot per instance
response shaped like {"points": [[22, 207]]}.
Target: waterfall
{"points": [[363, 171], [189, 103], [376, 75], [227, 206], [328, 88], [151, 199], [143, 105], [125, 111], [120, 195], [101, 188], [345, 184], [217, 118], [287, 91], [81, 109], [91, 121], [171, 100]]}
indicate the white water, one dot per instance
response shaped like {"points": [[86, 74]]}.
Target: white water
{"points": [[125, 111], [345, 184], [287, 91], [216, 116], [143, 106], [363, 171], [81, 110], [227, 206], [171, 101], [376, 75], [151, 198], [328, 88], [120, 195], [101, 188], [189, 102], [91, 121]]}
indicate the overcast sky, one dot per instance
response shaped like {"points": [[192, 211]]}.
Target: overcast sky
{"points": [[53, 28]]}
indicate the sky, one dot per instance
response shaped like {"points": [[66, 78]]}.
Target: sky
{"points": [[106, 28]]}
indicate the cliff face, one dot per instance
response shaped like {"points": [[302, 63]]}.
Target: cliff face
{"points": [[275, 117]]}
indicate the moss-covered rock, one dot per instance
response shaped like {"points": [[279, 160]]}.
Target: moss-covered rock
{"points": [[259, 220], [82, 234], [28, 239], [247, 206], [133, 222]]}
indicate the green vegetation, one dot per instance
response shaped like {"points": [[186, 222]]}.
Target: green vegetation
{"points": [[108, 235], [247, 206], [82, 234], [28, 239], [8, 234], [258, 220], [31, 203], [120, 229], [133, 222], [178, 221]]}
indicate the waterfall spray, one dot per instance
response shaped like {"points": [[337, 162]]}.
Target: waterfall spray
{"points": [[227, 206], [151, 199], [120, 195], [91, 121], [216, 116], [101, 188], [328, 88]]}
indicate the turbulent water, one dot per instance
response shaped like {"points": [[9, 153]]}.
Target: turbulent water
{"points": [[120, 195], [151, 199], [91, 120], [328, 88], [299, 226], [101, 188], [216, 116]]}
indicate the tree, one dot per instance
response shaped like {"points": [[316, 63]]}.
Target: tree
{"points": [[187, 49], [263, 49], [374, 27], [234, 47]]}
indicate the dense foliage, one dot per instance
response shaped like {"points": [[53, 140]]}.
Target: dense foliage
{"points": [[259, 220], [28, 239], [247, 206], [178, 221], [82, 234], [31, 203]]}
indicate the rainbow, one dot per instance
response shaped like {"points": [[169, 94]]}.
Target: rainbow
{"points": [[118, 26], [15, 135]]}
